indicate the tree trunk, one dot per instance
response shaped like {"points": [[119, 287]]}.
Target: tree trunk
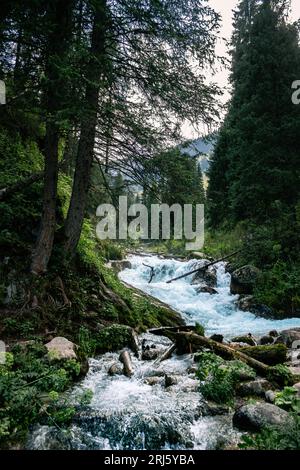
{"points": [[190, 342], [85, 152], [59, 14]]}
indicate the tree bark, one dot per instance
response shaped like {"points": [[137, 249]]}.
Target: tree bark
{"points": [[60, 19], [85, 154]]}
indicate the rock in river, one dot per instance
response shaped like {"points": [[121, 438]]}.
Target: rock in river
{"points": [[254, 417], [244, 279]]}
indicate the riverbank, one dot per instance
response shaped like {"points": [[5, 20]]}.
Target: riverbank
{"points": [[187, 401]]}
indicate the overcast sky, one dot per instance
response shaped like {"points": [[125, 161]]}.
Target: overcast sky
{"points": [[225, 7]]}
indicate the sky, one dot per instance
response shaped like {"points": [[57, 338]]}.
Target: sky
{"points": [[225, 7]]}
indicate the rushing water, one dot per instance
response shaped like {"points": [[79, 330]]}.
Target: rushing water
{"points": [[129, 413], [217, 313]]}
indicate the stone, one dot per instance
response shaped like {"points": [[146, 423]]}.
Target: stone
{"points": [[153, 380], [196, 255], [217, 337], [120, 265], [206, 276], [206, 290], [266, 340], [150, 354], [170, 380], [288, 337], [243, 279], [270, 396], [115, 369], [271, 354], [273, 333], [248, 339], [214, 409], [254, 388], [115, 337], [61, 348], [254, 417], [247, 303], [297, 387]]}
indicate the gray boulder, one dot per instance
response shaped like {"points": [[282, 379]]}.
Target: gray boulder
{"points": [[256, 388], [266, 340], [204, 277], [61, 348], [243, 279], [254, 417], [287, 337]]}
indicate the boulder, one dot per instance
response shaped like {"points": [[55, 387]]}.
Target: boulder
{"points": [[256, 388], [243, 279], [247, 303], [206, 276], [60, 348], [271, 355], [266, 340], [206, 290], [170, 380], [270, 396], [120, 265], [153, 380], [248, 339], [297, 387], [288, 337], [115, 369], [217, 337], [273, 333], [150, 354], [196, 255], [115, 337], [254, 417]]}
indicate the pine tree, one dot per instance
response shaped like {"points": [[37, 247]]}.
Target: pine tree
{"points": [[256, 160]]}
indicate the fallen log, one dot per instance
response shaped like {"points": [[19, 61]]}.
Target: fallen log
{"points": [[125, 358], [191, 342], [203, 267], [175, 329], [166, 355], [271, 355]]}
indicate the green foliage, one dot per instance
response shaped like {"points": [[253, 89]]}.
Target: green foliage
{"points": [[287, 438], [25, 378], [220, 378], [281, 375], [199, 329], [288, 399], [280, 289]]}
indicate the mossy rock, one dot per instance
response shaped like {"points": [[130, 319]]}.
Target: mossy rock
{"points": [[271, 355], [244, 339], [116, 337]]}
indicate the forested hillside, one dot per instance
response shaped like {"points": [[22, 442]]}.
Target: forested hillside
{"points": [[94, 90], [254, 189]]}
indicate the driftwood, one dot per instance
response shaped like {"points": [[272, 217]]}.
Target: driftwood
{"points": [[126, 361], [151, 272], [166, 355], [163, 330], [203, 267], [191, 342]]}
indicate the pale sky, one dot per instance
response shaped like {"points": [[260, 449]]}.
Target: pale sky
{"points": [[225, 7]]}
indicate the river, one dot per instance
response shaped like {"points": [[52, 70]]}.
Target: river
{"points": [[133, 413]]}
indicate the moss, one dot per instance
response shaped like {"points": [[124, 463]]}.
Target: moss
{"points": [[271, 355], [114, 338]]}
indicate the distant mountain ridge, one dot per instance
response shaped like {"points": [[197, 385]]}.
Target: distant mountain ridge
{"points": [[201, 149]]}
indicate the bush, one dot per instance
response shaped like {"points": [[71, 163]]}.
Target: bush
{"points": [[287, 438], [220, 378]]}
